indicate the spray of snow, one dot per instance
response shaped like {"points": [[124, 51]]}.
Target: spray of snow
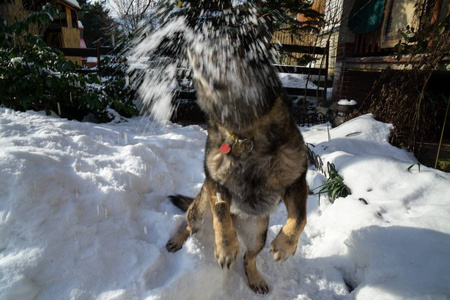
{"points": [[223, 45], [157, 81]]}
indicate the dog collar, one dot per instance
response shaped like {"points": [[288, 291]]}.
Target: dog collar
{"points": [[238, 146]]}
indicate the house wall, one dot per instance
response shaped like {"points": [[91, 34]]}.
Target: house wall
{"points": [[15, 11], [332, 16], [353, 85], [332, 10], [353, 79], [71, 39], [345, 47], [356, 70], [332, 37], [10, 11]]}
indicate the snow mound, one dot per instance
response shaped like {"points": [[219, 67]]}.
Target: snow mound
{"points": [[84, 215]]}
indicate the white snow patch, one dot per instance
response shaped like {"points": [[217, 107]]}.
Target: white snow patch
{"points": [[347, 102], [84, 215], [296, 81]]}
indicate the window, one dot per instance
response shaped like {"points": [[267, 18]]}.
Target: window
{"points": [[398, 15]]}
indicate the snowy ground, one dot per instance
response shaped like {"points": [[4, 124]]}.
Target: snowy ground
{"points": [[84, 215]]}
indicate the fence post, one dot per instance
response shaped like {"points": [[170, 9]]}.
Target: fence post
{"points": [[98, 54]]}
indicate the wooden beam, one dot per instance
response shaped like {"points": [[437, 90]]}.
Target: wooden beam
{"points": [[303, 49], [361, 44], [68, 17], [299, 70], [289, 91], [84, 51], [436, 11], [357, 41]]}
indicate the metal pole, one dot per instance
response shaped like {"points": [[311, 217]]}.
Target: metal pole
{"points": [[442, 134], [327, 63]]}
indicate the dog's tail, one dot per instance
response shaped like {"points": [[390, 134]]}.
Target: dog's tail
{"points": [[180, 201]]}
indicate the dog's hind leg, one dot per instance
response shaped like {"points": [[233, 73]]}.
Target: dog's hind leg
{"points": [[175, 243], [253, 232], [194, 217]]}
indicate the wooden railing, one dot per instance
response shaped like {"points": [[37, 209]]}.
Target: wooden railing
{"points": [[87, 52], [320, 92]]}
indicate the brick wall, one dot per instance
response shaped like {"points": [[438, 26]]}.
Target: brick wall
{"points": [[354, 85], [350, 84]]}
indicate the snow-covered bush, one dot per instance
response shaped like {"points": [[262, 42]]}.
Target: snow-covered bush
{"points": [[35, 76]]}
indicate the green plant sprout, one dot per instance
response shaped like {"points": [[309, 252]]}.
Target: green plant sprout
{"points": [[335, 186]]}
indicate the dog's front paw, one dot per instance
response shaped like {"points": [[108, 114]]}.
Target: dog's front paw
{"points": [[226, 251], [283, 246]]}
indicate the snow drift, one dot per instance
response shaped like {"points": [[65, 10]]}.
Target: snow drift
{"points": [[84, 215]]}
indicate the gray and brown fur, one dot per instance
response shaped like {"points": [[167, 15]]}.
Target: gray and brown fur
{"points": [[241, 191]]}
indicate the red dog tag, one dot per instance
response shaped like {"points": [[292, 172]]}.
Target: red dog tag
{"points": [[225, 148]]}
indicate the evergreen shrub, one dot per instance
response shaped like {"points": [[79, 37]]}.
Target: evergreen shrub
{"points": [[34, 76]]}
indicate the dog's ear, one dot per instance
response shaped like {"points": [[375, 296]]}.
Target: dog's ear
{"points": [[192, 60], [201, 82]]}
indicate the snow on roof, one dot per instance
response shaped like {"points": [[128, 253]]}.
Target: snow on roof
{"points": [[73, 3]]}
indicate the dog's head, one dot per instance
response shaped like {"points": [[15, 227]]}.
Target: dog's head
{"points": [[234, 85]]}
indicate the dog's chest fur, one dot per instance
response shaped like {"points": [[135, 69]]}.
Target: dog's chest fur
{"points": [[257, 179], [247, 182]]}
